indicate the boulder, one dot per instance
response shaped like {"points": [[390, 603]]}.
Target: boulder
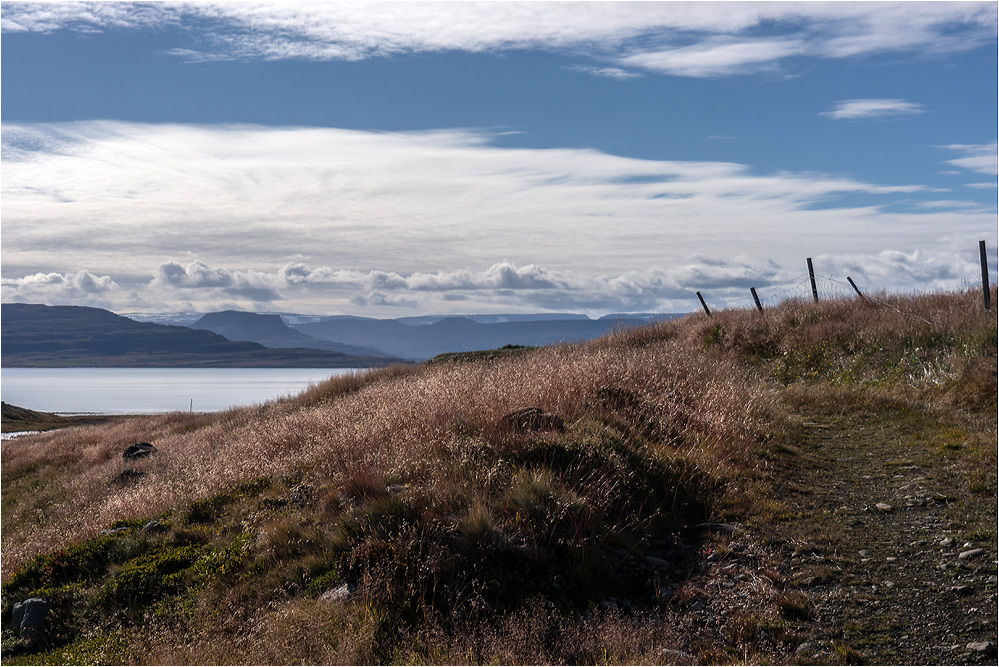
{"points": [[138, 450], [527, 420], [29, 619], [341, 592]]}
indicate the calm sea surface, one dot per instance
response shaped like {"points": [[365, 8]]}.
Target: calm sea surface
{"points": [[152, 390]]}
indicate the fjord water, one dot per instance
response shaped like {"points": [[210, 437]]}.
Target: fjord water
{"points": [[152, 390]]}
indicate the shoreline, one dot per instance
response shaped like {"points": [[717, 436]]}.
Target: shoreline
{"points": [[23, 420]]}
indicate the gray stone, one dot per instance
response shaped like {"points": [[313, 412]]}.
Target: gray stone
{"points": [[982, 647], [971, 553], [808, 649], [341, 592], [138, 450], [699, 605], [884, 507], [948, 542], [29, 619], [656, 562], [674, 657]]}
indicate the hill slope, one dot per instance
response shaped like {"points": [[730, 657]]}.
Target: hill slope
{"points": [[60, 336], [271, 331], [779, 488]]}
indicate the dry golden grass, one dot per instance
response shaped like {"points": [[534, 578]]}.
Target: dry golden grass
{"points": [[390, 424], [404, 483]]}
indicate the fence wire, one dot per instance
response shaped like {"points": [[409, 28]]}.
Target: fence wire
{"points": [[799, 288]]}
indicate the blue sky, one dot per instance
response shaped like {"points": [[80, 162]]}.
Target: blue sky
{"points": [[389, 159]]}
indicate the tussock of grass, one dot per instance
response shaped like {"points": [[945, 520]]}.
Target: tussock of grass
{"points": [[453, 538]]}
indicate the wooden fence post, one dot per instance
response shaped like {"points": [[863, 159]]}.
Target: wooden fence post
{"points": [[854, 286], [811, 277], [985, 273], [759, 306], [704, 305]]}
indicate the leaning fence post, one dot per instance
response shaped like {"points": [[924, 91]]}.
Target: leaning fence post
{"points": [[985, 272], [759, 306], [854, 286], [811, 277], [704, 305]]}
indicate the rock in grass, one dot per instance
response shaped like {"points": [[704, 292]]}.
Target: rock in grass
{"points": [[138, 450], [527, 420], [884, 507], [341, 592], [29, 619], [971, 553], [987, 648], [657, 562]]}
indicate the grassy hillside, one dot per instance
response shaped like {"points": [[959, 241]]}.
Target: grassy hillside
{"points": [[395, 516], [21, 419]]}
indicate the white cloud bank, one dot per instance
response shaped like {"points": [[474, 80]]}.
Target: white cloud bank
{"points": [[696, 39], [872, 109], [324, 220]]}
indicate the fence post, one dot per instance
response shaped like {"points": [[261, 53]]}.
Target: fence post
{"points": [[985, 273], [704, 305], [759, 306], [854, 286], [811, 277]]}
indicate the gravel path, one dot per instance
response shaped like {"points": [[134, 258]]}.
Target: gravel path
{"points": [[889, 557]]}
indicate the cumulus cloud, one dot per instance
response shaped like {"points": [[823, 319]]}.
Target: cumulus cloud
{"points": [[683, 39], [872, 109], [197, 275], [82, 287]]}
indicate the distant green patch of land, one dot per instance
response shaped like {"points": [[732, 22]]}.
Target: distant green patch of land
{"points": [[21, 419], [482, 355]]}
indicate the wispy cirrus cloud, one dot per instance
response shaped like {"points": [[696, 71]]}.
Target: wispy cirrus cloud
{"points": [[980, 158], [693, 39], [717, 57], [316, 218], [877, 108], [607, 72]]}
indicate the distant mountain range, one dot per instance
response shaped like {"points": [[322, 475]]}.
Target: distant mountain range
{"points": [[271, 331], [64, 336], [61, 336], [460, 334]]}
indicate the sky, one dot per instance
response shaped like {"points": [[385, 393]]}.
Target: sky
{"points": [[405, 158]]}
